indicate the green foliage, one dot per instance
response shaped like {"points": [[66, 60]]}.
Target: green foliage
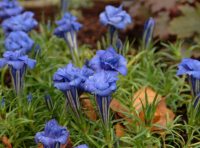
{"points": [[20, 120]]}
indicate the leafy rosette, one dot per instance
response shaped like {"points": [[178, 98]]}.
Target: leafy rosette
{"points": [[67, 24], [23, 22], [19, 41], [52, 135], [109, 60], [115, 16], [9, 8], [102, 83]]}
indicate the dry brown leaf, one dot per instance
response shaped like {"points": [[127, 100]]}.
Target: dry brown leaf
{"points": [[119, 130], [6, 142], [139, 97], [161, 115], [89, 109]]}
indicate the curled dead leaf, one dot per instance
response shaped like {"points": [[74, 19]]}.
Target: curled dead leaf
{"points": [[162, 114]]}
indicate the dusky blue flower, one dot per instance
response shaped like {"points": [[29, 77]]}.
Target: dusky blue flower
{"points": [[67, 80], [109, 60], [191, 68], [17, 63], [67, 24], [148, 32], [9, 8], [115, 16], [102, 85], [82, 146], [19, 41], [52, 135], [23, 22]]}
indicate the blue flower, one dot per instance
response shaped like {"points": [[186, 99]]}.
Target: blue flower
{"points": [[101, 83], [17, 63], [9, 8], [67, 24], [23, 22], [52, 135], [190, 67], [19, 41], [16, 60], [116, 17], [68, 80], [109, 60], [148, 32], [67, 77], [82, 146]]}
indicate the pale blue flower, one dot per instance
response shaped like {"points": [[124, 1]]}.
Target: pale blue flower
{"points": [[19, 41], [23, 22], [190, 67], [115, 16], [101, 83], [109, 60], [9, 8], [67, 24]]}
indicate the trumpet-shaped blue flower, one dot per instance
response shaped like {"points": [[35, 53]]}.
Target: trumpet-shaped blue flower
{"points": [[16, 60], [108, 60], [68, 80], [67, 24], [9, 8], [23, 22], [191, 67], [82, 146], [52, 135], [19, 41], [115, 17], [102, 85], [18, 64]]}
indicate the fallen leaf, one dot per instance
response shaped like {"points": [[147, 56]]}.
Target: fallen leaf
{"points": [[89, 109], [162, 114], [119, 130], [140, 95], [186, 25], [6, 142]]}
